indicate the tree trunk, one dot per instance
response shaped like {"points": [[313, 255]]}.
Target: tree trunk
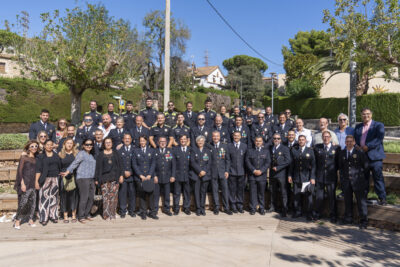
{"points": [[363, 85], [75, 106]]}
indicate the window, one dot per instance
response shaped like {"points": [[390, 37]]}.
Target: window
{"points": [[213, 78], [2, 67], [220, 81]]}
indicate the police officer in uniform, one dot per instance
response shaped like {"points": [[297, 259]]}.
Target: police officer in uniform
{"points": [[190, 115], [244, 131], [302, 170], [160, 129], [138, 131], [235, 113], [220, 166], [98, 142], [149, 114], [261, 128], [326, 155], [292, 143], [117, 134], [225, 117], [236, 182], [164, 174], [353, 164], [180, 129], [171, 115], [129, 116], [200, 129], [282, 128], [70, 135], [258, 161], [43, 125], [225, 137], [289, 119], [208, 113], [96, 116], [110, 111], [249, 118], [88, 130], [200, 175], [182, 182], [143, 163], [270, 118], [127, 190], [280, 161]]}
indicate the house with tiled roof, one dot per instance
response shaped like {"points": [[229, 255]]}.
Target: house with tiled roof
{"points": [[209, 76]]}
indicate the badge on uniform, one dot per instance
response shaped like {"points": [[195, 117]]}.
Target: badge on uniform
{"points": [[244, 135], [165, 130], [168, 156], [205, 157], [355, 156], [333, 151], [280, 153], [149, 154], [205, 133], [307, 155]]}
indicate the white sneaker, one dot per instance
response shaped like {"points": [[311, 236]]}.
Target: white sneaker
{"points": [[17, 227], [32, 225]]}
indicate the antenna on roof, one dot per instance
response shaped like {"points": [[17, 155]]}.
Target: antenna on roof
{"points": [[206, 58]]}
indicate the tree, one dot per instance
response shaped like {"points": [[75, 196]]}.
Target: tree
{"points": [[7, 40], [84, 49], [154, 24], [243, 60], [375, 34]]}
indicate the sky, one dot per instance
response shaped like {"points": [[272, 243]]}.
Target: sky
{"points": [[266, 24]]}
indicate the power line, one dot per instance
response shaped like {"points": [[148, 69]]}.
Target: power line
{"points": [[240, 37]]}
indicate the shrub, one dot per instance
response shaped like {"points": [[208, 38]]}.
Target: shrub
{"points": [[12, 141], [302, 88]]}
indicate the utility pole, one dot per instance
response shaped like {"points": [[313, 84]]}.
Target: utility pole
{"points": [[167, 52], [206, 58], [241, 93], [272, 94], [353, 88]]}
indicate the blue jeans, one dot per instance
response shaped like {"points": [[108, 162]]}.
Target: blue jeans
{"points": [[375, 166]]}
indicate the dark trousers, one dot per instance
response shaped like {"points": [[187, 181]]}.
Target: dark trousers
{"points": [[86, 189], [216, 184], [195, 188], [275, 185], [179, 188], [165, 189], [375, 166], [127, 197], [257, 194], [203, 194], [361, 198], [236, 191], [319, 198], [298, 200], [143, 202]]}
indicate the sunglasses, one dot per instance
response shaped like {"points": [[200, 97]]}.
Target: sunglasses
{"points": [[88, 120], [342, 119], [33, 146], [276, 138], [88, 145], [42, 136], [201, 119]]}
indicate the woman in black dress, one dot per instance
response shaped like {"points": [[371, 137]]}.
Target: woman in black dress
{"points": [[109, 174], [68, 191], [25, 185], [48, 168]]}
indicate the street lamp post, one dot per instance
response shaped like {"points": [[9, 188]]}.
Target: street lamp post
{"points": [[353, 88], [272, 94], [167, 53]]}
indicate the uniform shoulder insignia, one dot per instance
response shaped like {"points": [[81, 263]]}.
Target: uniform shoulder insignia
{"points": [[143, 109], [185, 126], [98, 112], [165, 112], [201, 110], [87, 112], [167, 126], [175, 127], [213, 110], [154, 126], [123, 113]]}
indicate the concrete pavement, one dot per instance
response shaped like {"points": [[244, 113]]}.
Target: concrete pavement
{"points": [[238, 240]]}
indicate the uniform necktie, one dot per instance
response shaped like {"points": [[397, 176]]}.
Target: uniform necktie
{"points": [[119, 131], [140, 129], [190, 115], [144, 150], [237, 146], [348, 154], [184, 149]]}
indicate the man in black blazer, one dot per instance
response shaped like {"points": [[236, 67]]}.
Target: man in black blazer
{"points": [[180, 129], [326, 156], [282, 128], [190, 115], [182, 182], [118, 133], [200, 129], [139, 130], [280, 160], [43, 125], [220, 166], [98, 142], [261, 128], [353, 164], [223, 131], [127, 190], [258, 161], [164, 174], [302, 170], [244, 131], [236, 182], [270, 118], [88, 130]]}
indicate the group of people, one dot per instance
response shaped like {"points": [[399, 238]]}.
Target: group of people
{"points": [[153, 154]]}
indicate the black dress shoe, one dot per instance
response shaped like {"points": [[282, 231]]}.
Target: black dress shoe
{"points": [[198, 212], [228, 212], [241, 210], [284, 213], [362, 226], [271, 210], [168, 213], [176, 212], [143, 216], [122, 216], [153, 216], [187, 211], [203, 212], [235, 211], [333, 220], [382, 202], [216, 212], [346, 222], [262, 212], [252, 212], [308, 218], [296, 215], [132, 214]]}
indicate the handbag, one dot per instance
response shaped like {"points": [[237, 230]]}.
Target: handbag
{"points": [[69, 184]]}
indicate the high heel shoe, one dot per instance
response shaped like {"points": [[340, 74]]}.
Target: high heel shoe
{"points": [[17, 227]]}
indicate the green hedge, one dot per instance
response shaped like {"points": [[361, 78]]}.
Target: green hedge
{"points": [[12, 141], [386, 107]]}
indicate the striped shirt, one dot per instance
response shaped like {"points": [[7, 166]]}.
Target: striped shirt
{"points": [[86, 165]]}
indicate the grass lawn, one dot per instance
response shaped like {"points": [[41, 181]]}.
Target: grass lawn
{"points": [[12, 141], [391, 146]]}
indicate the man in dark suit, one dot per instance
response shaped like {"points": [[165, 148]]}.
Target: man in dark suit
{"points": [[302, 170], [43, 125], [236, 182], [209, 114], [127, 190], [224, 116], [164, 174], [223, 131], [326, 156], [129, 116], [110, 111], [369, 137], [261, 128], [200, 129], [160, 129], [280, 161], [269, 117], [244, 131], [258, 161], [249, 118], [180, 129], [182, 182], [220, 166], [70, 135], [149, 114], [282, 128], [292, 143], [190, 115], [98, 142], [353, 164], [117, 134], [235, 113], [138, 131], [88, 130], [94, 114], [289, 119]]}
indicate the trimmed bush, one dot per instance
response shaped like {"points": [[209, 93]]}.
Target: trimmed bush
{"points": [[12, 141]]}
